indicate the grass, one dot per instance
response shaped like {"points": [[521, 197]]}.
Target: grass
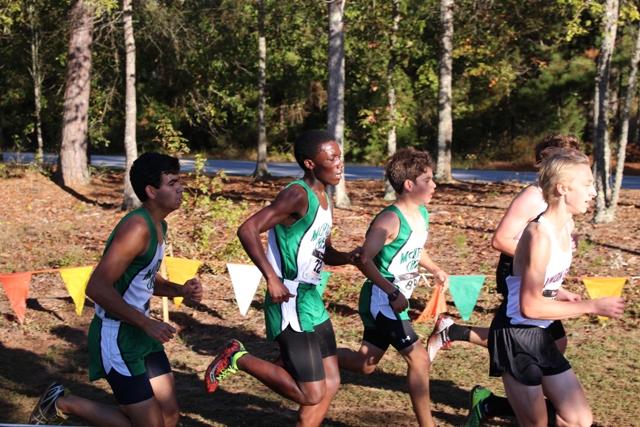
{"points": [[52, 342]]}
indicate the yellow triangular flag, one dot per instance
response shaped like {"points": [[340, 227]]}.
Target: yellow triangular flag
{"points": [[179, 270], [76, 279], [599, 287]]}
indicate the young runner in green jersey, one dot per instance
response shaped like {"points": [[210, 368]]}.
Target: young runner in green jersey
{"points": [[299, 244], [391, 254], [125, 344]]}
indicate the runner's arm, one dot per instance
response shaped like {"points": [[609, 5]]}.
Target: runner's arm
{"points": [[524, 207], [534, 250], [332, 256], [191, 289], [131, 240], [383, 229], [289, 205], [439, 274]]}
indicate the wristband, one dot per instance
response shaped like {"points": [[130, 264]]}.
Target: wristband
{"points": [[394, 295]]}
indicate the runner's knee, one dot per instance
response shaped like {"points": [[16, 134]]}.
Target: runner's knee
{"points": [[577, 418], [313, 394]]}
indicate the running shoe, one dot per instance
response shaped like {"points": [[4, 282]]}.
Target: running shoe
{"points": [[476, 400], [439, 338], [46, 411], [224, 365]]}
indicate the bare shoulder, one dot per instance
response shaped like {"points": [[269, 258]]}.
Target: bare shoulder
{"points": [[535, 235], [529, 199], [291, 199], [387, 219], [134, 233], [293, 192]]}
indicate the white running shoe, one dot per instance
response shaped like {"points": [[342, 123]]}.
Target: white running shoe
{"points": [[439, 338]]}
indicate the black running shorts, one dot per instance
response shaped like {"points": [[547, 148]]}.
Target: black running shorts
{"points": [[528, 353], [398, 333], [302, 352], [137, 388]]}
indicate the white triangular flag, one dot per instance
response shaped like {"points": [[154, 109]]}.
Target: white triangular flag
{"points": [[245, 279]]}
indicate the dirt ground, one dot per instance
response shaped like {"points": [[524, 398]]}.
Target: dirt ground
{"points": [[44, 226]]}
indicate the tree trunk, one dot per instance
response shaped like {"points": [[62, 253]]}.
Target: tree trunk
{"points": [[389, 192], [445, 121], [37, 76], [632, 85], [73, 151], [130, 200], [601, 108], [335, 104], [262, 170]]}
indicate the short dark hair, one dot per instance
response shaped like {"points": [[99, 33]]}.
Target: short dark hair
{"points": [[148, 170], [555, 141], [308, 143], [407, 163]]}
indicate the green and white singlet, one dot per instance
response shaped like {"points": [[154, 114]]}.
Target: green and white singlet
{"points": [[398, 262], [118, 345], [296, 253]]}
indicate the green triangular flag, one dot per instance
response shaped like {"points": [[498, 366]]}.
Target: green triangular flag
{"points": [[324, 279], [465, 291]]}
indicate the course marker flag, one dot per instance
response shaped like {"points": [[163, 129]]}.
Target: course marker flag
{"points": [[599, 287], [436, 305], [76, 279], [245, 279], [324, 279], [16, 286], [179, 270], [465, 291]]}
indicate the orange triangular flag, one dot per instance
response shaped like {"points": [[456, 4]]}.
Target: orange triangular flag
{"points": [[75, 279], [436, 305], [16, 286], [598, 287]]}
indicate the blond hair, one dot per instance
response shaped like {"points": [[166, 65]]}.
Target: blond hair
{"points": [[554, 169]]}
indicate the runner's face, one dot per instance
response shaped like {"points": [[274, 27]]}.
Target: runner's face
{"points": [[169, 195], [425, 186], [328, 164], [580, 190]]}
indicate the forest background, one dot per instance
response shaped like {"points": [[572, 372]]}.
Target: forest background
{"points": [[521, 70]]}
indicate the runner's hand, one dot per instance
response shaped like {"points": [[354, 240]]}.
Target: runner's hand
{"points": [[192, 289], [400, 304], [158, 330], [354, 255], [278, 291], [441, 278], [609, 306]]}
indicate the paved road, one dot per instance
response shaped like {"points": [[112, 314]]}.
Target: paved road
{"points": [[246, 167]]}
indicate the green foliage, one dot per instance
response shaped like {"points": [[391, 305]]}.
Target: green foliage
{"points": [[460, 242], [520, 70], [170, 139]]}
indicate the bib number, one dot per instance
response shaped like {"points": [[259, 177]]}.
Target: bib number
{"points": [[406, 283], [316, 262]]}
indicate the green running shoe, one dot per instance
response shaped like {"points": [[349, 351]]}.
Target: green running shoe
{"points": [[476, 399]]}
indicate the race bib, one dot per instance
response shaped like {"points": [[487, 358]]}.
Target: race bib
{"points": [[316, 262], [406, 283]]}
